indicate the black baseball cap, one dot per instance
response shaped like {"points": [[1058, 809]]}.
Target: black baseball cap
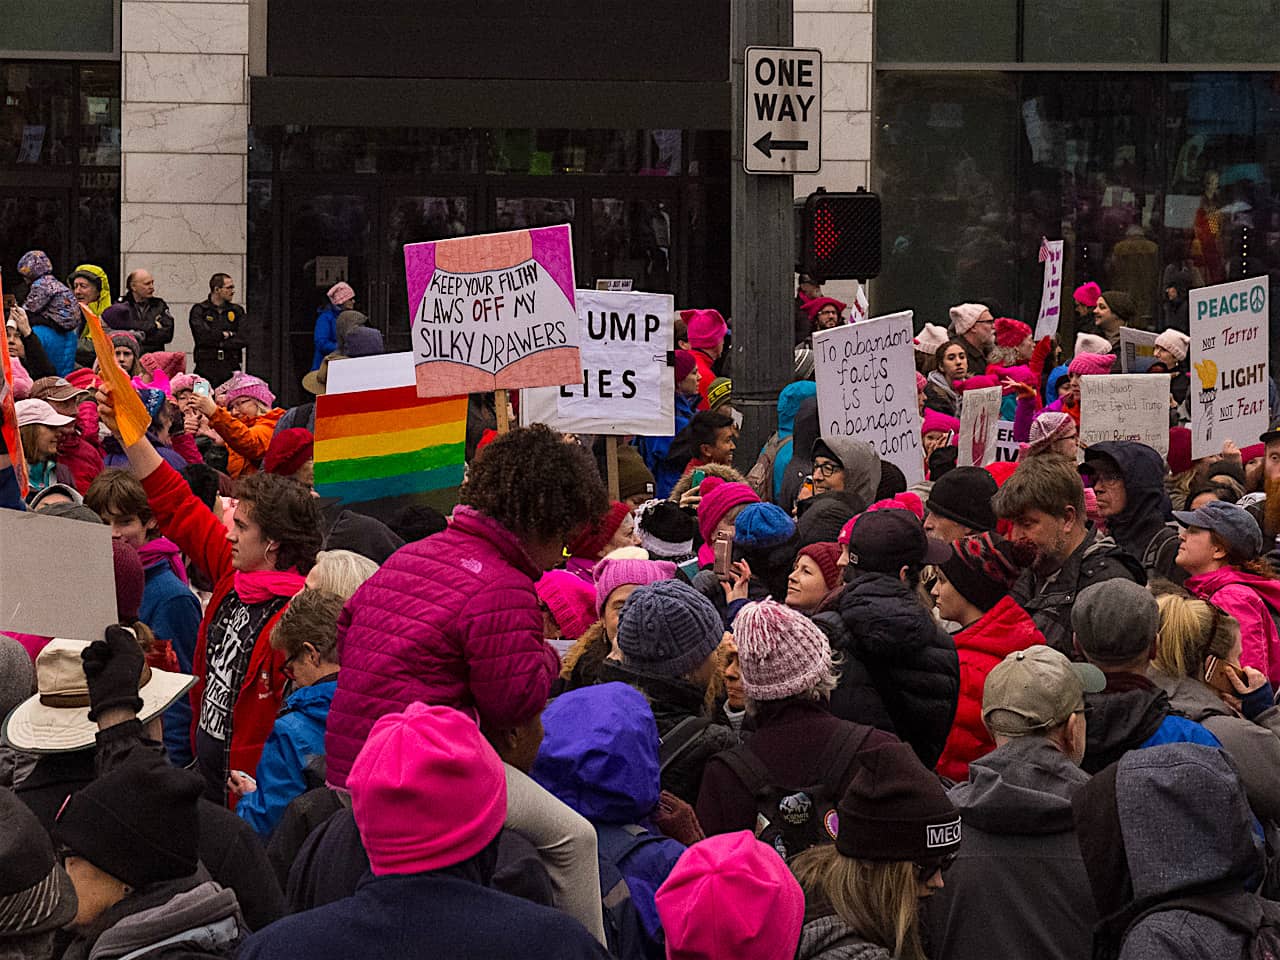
{"points": [[885, 541]]}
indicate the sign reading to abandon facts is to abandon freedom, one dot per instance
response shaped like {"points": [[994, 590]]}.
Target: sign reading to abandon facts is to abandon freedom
{"points": [[1228, 364], [783, 104]]}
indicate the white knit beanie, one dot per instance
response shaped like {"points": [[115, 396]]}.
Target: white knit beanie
{"points": [[965, 315], [1176, 342], [781, 652], [1091, 343], [930, 338]]}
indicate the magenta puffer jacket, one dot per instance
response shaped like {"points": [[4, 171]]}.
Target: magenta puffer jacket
{"points": [[451, 620], [1252, 600]]}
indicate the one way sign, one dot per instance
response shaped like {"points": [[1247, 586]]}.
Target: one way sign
{"points": [[783, 110]]}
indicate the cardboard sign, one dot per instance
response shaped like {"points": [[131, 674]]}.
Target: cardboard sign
{"points": [[1135, 344], [493, 312], [627, 386], [33, 601], [866, 378], [979, 426], [1229, 344], [1051, 289], [1125, 406], [1007, 448]]}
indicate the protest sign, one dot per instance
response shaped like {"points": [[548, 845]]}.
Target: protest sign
{"points": [[32, 601], [1125, 406], [1135, 344], [10, 441], [131, 416], [866, 380], [979, 425], [1051, 289], [493, 312], [618, 285], [1007, 448], [627, 386], [1229, 347], [370, 373]]}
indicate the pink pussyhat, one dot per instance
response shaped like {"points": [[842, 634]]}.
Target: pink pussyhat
{"points": [[1091, 364], [706, 328], [935, 422], [427, 791]]}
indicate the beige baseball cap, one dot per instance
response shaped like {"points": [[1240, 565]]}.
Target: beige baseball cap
{"points": [[1036, 689]]}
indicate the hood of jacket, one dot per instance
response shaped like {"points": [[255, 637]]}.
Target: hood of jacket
{"points": [[860, 461], [1024, 787], [1120, 722], [104, 297], [205, 917], [1147, 507], [1051, 384], [884, 619], [1207, 584], [313, 701], [789, 401], [35, 264], [600, 753], [1191, 698], [805, 429]]}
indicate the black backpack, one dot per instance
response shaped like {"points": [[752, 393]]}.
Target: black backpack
{"points": [[1243, 912], [624, 931], [679, 741], [792, 819]]}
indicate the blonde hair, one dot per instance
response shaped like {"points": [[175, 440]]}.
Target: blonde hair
{"points": [[342, 571], [1190, 632], [879, 902]]}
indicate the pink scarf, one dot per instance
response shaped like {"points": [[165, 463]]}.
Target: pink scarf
{"points": [[261, 585], [163, 549]]}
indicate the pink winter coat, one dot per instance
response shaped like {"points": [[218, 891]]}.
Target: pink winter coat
{"points": [[451, 620], [1251, 599]]}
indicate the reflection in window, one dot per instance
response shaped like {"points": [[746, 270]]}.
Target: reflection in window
{"points": [[1093, 31], [37, 116], [100, 116], [632, 239], [517, 213], [929, 31]]}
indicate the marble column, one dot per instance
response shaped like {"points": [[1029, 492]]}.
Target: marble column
{"points": [[842, 30], [184, 147]]}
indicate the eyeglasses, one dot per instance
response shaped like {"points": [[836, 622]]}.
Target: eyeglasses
{"points": [[825, 468], [927, 868], [1106, 476]]}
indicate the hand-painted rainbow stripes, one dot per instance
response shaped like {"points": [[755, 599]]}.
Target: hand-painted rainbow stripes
{"points": [[381, 444]]}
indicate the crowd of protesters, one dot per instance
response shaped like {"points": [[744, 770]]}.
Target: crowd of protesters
{"points": [[802, 710]]}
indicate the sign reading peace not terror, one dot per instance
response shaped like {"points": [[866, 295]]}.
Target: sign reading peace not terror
{"points": [[1229, 349], [783, 105]]}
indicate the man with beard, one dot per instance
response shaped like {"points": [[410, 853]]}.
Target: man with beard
{"points": [[1269, 516], [1043, 502]]}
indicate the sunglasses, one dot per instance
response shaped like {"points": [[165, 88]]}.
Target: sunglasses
{"points": [[927, 868]]}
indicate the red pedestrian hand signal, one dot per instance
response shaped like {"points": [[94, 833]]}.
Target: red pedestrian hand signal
{"points": [[826, 238]]}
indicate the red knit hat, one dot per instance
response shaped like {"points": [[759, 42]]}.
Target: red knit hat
{"points": [[130, 580], [685, 364], [289, 451], [1010, 332], [827, 557], [596, 536]]}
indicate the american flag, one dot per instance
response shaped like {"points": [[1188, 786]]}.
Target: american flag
{"points": [[1044, 250]]}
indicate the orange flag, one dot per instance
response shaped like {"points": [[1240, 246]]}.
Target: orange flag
{"points": [[131, 416], [12, 441]]}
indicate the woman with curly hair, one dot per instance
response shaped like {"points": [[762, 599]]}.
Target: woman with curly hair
{"points": [[454, 620]]}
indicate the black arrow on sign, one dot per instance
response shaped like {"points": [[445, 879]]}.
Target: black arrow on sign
{"points": [[767, 145]]}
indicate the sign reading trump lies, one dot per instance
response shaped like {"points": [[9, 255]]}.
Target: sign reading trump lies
{"points": [[493, 312], [1228, 365]]}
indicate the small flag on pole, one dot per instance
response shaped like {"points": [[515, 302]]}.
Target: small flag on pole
{"points": [[860, 304], [1044, 250]]}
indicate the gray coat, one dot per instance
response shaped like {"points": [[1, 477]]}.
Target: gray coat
{"points": [[828, 938], [1018, 887]]}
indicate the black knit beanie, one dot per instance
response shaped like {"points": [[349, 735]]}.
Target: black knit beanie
{"points": [[895, 810], [138, 823], [984, 567], [963, 495]]}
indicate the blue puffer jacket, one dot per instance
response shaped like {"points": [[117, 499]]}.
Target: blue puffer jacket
{"points": [[656, 449], [326, 334], [297, 737], [600, 756]]}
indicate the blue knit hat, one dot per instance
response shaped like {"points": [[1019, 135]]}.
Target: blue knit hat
{"points": [[762, 525], [668, 628]]}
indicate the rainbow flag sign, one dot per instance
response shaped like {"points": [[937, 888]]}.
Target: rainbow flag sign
{"points": [[389, 448]]}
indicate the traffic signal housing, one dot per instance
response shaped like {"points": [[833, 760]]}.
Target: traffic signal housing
{"points": [[840, 235]]}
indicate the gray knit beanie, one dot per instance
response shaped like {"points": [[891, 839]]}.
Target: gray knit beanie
{"points": [[17, 675], [668, 628]]}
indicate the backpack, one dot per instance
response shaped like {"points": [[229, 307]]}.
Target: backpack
{"points": [[679, 740], [793, 819], [624, 931], [760, 478], [1242, 912]]}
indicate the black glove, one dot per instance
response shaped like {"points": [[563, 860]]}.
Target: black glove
{"points": [[114, 668]]}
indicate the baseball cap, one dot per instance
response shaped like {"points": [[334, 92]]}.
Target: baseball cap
{"points": [[56, 389], [1233, 523], [1273, 433], [1036, 689], [1115, 621], [885, 541], [39, 411]]}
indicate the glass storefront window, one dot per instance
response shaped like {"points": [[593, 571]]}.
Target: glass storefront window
{"points": [[1091, 31], [929, 31], [100, 116], [632, 239], [37, 114], [1222, 31]]}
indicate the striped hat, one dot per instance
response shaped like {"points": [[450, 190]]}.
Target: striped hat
{"points": [[36, 895]]}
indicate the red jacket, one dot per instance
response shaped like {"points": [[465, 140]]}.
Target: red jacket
{"points": [[185, 520], [707, 375], [1004, 628]]}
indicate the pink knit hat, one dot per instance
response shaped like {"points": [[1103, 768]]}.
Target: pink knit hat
{"points": [[718, 498], [1091, 343], [935, 422], [965, 315], [731, 896], [170, 362], [427, 791], [610, 574], [781, 651], [1176, 342], [571, 601], [183, 381], [921, 382], [1087, 294], [930, 338], [1010, 332], [1091, 364], [246, 385], [1045, 429], [340, 293], [706, 327]]}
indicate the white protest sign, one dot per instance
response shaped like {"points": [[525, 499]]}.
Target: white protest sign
{"points": [[1125, 406], [979, 426], [866, 378], [1051, 290], [380, 372], [32, 601], [1135, 344], [1007, 448], [627, 385], [1229, 347]]}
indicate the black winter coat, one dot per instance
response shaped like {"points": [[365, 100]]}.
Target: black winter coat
{"points": [[901, 672], [152, 322]]}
